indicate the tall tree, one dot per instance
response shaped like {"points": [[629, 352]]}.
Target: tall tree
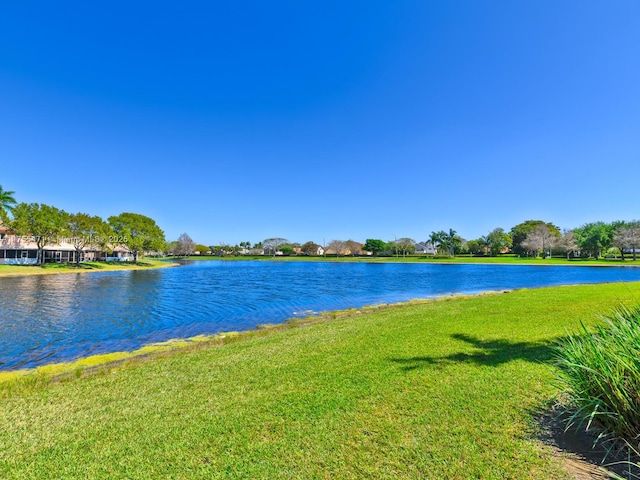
{"points": [[310, 248], [354, 248], [568, 243], [594, 237], [476, 246], [520, 232], [185, 246], [437, 239], [272, 245], [85, 230], [339, 247], [138, 233], [633, 237], [497, 240], [627, 235], [541, 239], [375, 246], [171, 248], [452, 241], [42, 222], [7, 203], [405, 245]]}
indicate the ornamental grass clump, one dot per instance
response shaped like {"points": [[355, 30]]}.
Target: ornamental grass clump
{"points": [[600, 373]]}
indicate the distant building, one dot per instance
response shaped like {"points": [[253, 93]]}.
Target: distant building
{"points": [[23, 250], [426, 248]]}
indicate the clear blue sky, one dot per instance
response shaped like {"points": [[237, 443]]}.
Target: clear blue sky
{"points": [[235, 121]]}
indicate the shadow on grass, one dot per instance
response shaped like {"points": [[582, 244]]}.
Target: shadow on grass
{"points": [[490, 353], [583, 451]]}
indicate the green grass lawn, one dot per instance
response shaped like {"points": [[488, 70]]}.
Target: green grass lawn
{"points": [[440, 389], [49, 268]]}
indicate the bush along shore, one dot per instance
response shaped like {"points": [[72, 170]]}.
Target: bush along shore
{"points": [[448, 388]]}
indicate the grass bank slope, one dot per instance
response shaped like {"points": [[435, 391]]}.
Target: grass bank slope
{"points": [[51, 268], [507, 259], [443, 389]]}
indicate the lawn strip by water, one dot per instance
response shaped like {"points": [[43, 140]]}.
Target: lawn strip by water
{"points": [[507, 259], [85, 267], [440, 389]]}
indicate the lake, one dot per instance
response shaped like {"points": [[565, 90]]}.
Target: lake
{"points": [[55, 318]]}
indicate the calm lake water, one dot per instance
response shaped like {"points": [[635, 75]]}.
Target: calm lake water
{"points": [[54, 318]]}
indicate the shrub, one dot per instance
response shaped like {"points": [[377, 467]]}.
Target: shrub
{"points": [[600, 373]]}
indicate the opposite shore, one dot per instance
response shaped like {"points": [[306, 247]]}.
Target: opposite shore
{"points": [[145, 264]]}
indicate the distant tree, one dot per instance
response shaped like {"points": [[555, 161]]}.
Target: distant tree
{"points": [[185, 246], [520, 232], [541, 239], [568, 242], [272, 245], [42, 222], [594, 238], [7, 203], [497, 240], [452, 241], [339, 247], [463, 247], [245, 246], [633, 237], [138, 233], [201, 249], [475, 247], [619, 237], [257, 245], [437, 239], [405, 245], [354, 248], [627, 235], [310, 248], [287, 249], [171, 248], [85, 230], [374, 246]]}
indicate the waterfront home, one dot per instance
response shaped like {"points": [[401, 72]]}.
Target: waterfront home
{"points": [[426, 248], [23, 250]]}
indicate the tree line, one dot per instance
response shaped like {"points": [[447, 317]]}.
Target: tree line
{"points": [[48, 225], [534, 238]]}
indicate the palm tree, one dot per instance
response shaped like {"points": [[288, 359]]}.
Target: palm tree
{"points": [[452, 241], [7, 202], [436, 240]]}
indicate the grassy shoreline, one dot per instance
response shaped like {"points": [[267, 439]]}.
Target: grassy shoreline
{"points": [[501, 260], [85, 267], [444, 388]]}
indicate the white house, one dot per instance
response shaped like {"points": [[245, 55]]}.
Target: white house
{"points": [[426, 248]]}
